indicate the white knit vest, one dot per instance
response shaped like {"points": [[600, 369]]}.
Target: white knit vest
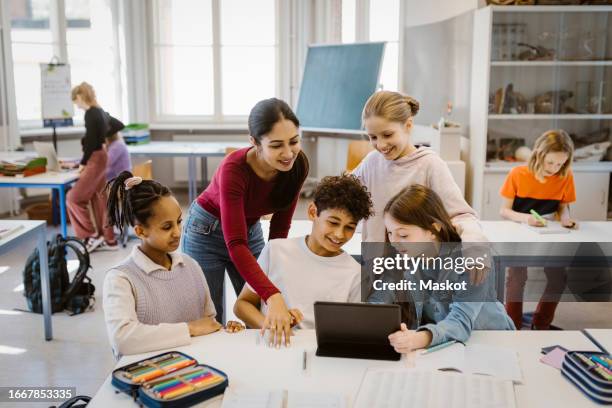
{"points": [[164, 296]]}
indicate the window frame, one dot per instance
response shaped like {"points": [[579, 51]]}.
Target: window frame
{"points": [[217, 118], [58, 26], [362, 31]]}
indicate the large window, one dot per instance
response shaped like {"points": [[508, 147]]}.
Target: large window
{"points": [[32, 43], [84, 34], [92, 51], [384, 26], [375, 20], [214, 59]]}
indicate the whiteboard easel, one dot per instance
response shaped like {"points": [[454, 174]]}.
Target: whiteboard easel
{"points": [[57, 108]]}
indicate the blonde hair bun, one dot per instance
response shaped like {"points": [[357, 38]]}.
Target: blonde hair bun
{"points": [[392, 106], [413, 104]]}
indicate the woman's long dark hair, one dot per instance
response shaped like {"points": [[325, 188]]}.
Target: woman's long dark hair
{"points": [[134, 205], [264, 115]]}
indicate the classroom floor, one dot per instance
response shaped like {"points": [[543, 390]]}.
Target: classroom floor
{"points": [[80, 355]]}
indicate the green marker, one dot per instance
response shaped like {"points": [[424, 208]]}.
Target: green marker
{"points": [[538, 216]]}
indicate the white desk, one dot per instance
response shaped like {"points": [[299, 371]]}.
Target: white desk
{"points": [[603, 336], [509, 231], [51, 179], [190, 150], [495, 231], [29, 231], [512, 243], [252, 366]]}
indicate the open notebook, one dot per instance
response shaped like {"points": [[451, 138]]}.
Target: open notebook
{"points": [[408, 387], [482, 359]]}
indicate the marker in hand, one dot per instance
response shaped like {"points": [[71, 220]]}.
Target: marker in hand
{"points": [[538, 216]]}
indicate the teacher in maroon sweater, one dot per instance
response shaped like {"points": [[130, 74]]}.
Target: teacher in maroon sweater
{"points": [[223, 232]]}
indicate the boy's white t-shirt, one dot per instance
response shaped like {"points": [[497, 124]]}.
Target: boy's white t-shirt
{"points": [[304, 277]]}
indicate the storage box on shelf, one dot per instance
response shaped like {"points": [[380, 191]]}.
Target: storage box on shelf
{"points": [[536, 68]]}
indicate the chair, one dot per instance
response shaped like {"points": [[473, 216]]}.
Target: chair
{"points": [[357, 150], [143, 170], [229, 150]]}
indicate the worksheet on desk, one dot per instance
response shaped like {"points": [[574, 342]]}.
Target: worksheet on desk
{"points": [[432, 389], [281, 399], [498, 362]]}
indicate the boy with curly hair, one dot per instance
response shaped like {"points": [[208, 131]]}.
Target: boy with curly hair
{"points": [[314, 268]]}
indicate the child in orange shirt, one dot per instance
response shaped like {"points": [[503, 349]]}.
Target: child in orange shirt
{"points": [[545, 185]]}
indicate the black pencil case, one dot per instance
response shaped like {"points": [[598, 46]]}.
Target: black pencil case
{"points": [[193, 382], [585, 377]]}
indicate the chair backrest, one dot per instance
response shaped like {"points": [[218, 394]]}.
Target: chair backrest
{"points": [[230, 150], [144, 170], [357, 150]]}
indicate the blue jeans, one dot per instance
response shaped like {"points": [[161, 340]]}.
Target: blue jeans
{"points": [[203, 241]]}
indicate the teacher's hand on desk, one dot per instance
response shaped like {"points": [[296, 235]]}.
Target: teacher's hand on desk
{"points": [[278, 321]]}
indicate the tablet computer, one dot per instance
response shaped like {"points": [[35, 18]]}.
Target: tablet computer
{"points": [[356, 330]]}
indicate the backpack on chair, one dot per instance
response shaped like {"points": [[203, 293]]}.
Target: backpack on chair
{"points": [[76, 296]]}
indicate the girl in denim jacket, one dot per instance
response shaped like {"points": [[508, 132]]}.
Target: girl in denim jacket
{"points": [[442, 303]]}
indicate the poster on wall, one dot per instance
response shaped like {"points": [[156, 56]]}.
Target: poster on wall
{"points": [[57, 108]]}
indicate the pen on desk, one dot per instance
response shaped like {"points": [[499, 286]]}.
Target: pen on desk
{"points": [[538, 216], [594, 340], [304, 359], [438, 347]]}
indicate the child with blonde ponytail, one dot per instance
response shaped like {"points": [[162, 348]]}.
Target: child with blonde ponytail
{"points": [[395, 163]]}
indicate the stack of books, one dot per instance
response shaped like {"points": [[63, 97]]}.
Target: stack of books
{"points": [[136, 133], [23, 167]]}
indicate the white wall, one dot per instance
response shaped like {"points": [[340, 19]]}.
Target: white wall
{"points": [[437, 49], [418, 12]]}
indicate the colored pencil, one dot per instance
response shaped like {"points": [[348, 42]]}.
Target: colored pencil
{"points": [[144, 370], [152, 384], [157, 373], [174, 386], [180, 379], [193, 387], [601, 361], [438, 347], [602, 373], [146, 363], [154, 366], [585, 360]]}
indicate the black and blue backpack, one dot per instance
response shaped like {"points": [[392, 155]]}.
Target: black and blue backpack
{"points": [[76, 296]]}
